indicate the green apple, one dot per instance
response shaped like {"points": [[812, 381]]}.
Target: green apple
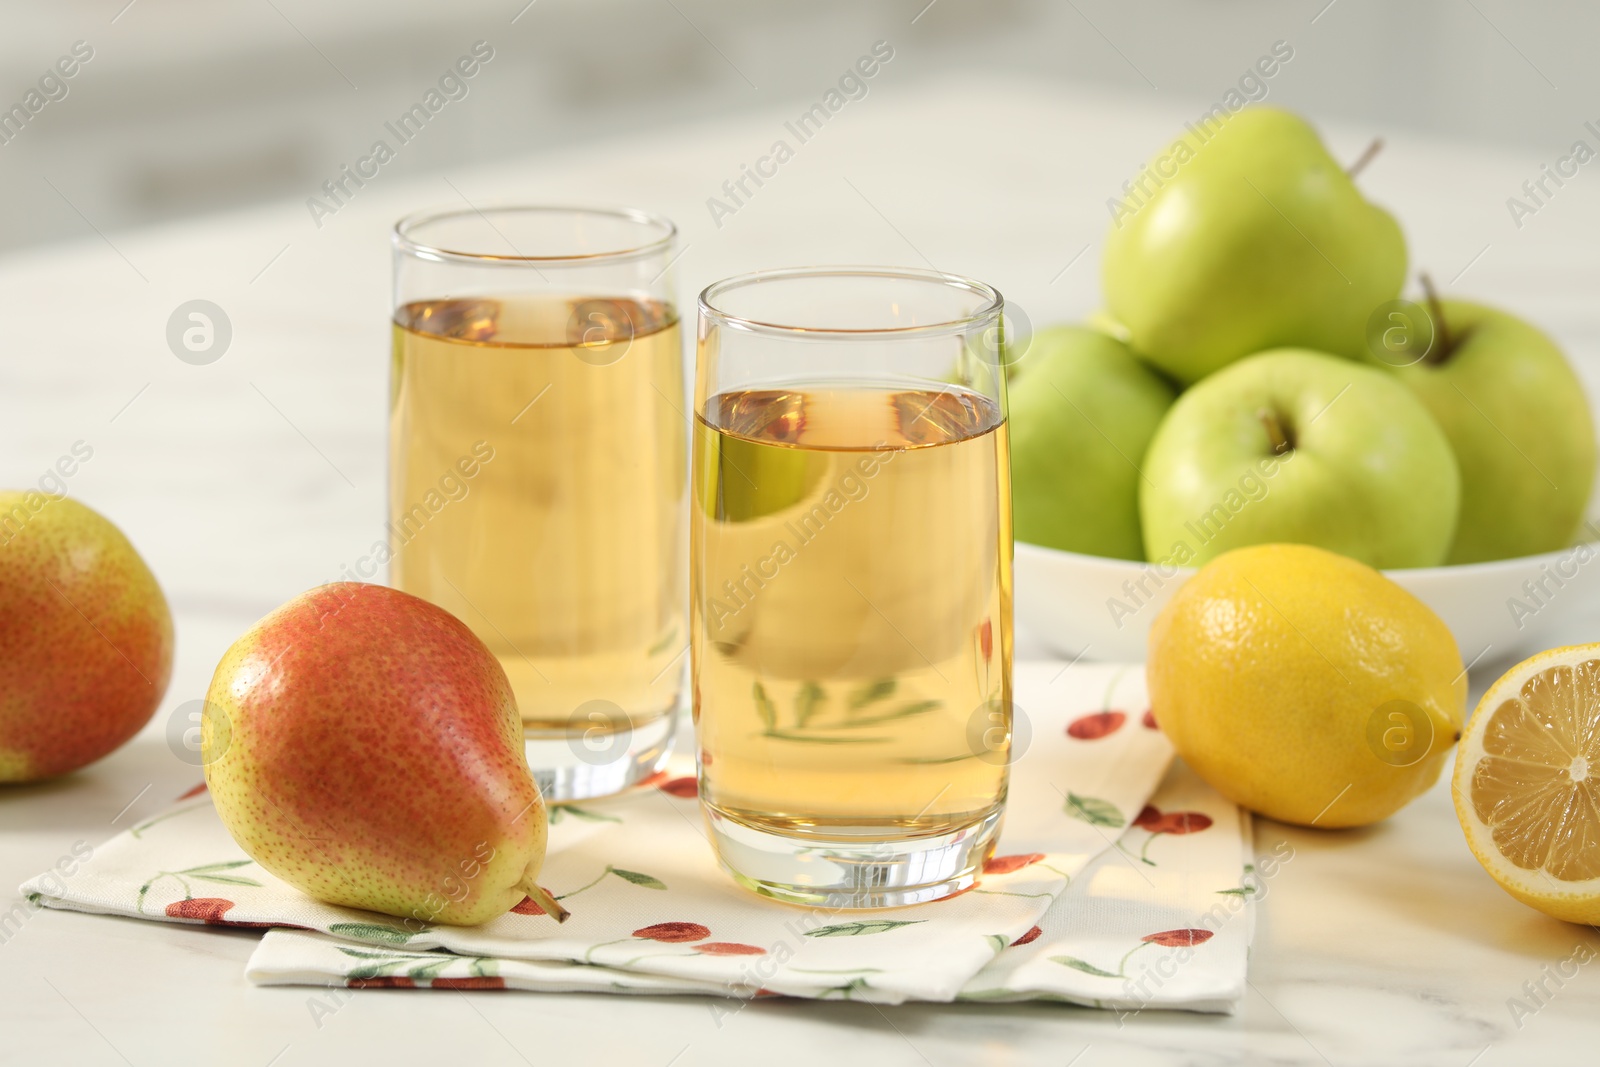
{"points": [[1303, 447], [1100, 319], [1082, 413], [1246, 235], [1518, 420]]}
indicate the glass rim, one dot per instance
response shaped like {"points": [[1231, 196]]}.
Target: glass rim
{"points": [[993, 305], [405, 242]]}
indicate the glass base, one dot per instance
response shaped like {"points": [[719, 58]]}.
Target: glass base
{"points": [[852, 869], [574, 765]]}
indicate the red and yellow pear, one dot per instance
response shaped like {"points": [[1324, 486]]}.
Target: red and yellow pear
{"points": [[85, 637], [363, 745]]}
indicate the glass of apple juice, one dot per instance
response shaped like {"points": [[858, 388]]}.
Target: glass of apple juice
{"points": [[537, 469], [850, 590]]}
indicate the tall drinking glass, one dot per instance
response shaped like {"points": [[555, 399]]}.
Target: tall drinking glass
{"points": [[850, 605], [537, 475]]}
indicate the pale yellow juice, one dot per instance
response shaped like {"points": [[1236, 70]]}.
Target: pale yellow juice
{"points": [[851, 602], [562, 550]]}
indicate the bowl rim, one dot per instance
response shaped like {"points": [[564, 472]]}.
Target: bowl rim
{"points": [[1419, 573]]}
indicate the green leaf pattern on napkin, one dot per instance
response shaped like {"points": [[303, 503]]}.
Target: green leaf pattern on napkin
{"points": [[214, 873], [862, 927], [1095, 812]]}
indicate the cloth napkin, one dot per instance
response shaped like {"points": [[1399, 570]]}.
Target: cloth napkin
{"points": [[1106, 890]]}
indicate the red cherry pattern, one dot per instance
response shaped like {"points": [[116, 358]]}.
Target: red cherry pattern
{"points": [[1028, 938], [385, 982], [685, 787], [400, 981], [1007, 864], [673, 933], [1149, 720], [1184, 822], [196, 791], [1179, 938], [1094, 726], [1173, 822], [210, 910], [668, 932], [484, 982]]}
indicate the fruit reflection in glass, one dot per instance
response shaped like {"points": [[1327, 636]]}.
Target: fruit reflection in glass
{"points": [[537, 470], [851, 596]]}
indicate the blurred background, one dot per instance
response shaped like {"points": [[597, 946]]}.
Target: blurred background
{"points": [[158, 152], [189, 106]]}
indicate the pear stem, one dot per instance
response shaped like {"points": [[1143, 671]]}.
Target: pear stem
{"points": [[541, 897], [1277, 436], [1443, 343], [1366, 157]]}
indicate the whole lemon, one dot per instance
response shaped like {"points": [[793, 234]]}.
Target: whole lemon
{"points": [[1305, 685]]}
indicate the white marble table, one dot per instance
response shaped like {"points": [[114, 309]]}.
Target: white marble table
{"points": [[249, 479]]}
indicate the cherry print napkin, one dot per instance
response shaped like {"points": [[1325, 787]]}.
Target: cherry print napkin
{"points": [[1106, 890]]}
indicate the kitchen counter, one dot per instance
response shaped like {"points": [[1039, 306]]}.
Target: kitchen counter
{"points": [[248, 479]]}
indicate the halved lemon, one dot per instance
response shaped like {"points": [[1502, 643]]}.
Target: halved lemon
{"points": [[1527, 782]]}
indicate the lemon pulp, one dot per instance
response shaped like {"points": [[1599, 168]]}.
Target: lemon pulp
{"points": [[1537, 785]]}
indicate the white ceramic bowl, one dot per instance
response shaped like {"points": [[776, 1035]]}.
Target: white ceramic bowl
{"points": [[1101, 609]]}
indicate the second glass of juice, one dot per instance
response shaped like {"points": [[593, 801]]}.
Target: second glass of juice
{"points": [[537, 472], [851, 582]]}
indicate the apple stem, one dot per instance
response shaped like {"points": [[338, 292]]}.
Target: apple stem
{"points": [[1366, 157], [541, 897], [1277, 436], [1443, 343]]}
